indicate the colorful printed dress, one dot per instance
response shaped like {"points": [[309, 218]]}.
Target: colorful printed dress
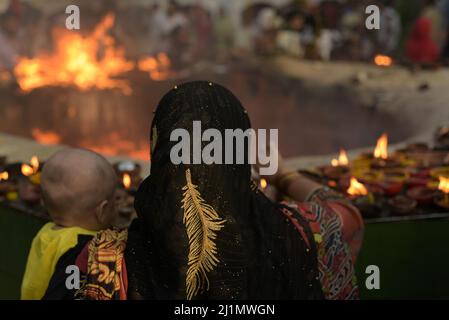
{"points": [[338, 231]]}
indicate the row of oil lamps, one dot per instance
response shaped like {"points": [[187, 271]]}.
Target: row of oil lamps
{"points": [[411, 177]]}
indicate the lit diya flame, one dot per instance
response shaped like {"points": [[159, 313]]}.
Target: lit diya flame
{"points": [[32, 168], [91, 61], [34, 163], [126, 181], [4, 176], [381, 151], [263, 183], [356, 188], [383, 61], [342, 159], [27, 170], [444, 187]]}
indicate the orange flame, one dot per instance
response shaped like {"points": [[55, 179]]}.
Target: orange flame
{"points": [[32, 168], [263, 183], [27, 170], [342, 159], [381, 151], [45, 137], [356, 188], [84, 61], [126, 181], [383, 61], [121, 146], [4, 176], [157, 67], [34, 163], [444, 185]]}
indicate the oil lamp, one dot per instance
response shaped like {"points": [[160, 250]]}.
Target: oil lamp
{"points": [[338, 168], [356, 189], [402, 205], [363, 199], [444, 188], [423, 195], [4, 182], [29, 183]]}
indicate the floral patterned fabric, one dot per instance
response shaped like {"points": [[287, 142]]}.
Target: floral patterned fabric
{"points": [[106, 270], [335, 262]]}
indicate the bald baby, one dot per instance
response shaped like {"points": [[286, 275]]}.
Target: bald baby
{"points": [[78, 189]]}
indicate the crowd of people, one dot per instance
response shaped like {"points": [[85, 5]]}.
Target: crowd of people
{"points": [[414, 31]]}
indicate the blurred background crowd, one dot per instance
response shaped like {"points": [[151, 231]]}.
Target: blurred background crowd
{"points": [[188, 31]]}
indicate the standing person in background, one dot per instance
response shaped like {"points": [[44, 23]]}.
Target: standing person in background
{"points": [[420, 48], [224, 34], [434, 15], [389, 34], [289, 40]]}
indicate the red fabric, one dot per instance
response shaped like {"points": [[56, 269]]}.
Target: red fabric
{"points": [[420, 47], [124, 282], [81, 260]]}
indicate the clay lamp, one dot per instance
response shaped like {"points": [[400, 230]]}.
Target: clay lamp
{"points": [[423, 195], [393, 181], [419, 178], [380, 156], [390, 188], [442, 200], [368, 175], [402, 205], [428, 159], [29, 182], [338, 168], [358, 190], [396, 174], [6, 184], [363, 199]]}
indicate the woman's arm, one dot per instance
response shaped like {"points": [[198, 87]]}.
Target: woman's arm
{"points": [[292, 183]]}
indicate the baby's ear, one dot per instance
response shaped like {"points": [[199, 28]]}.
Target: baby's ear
{"points": [[101, 213]]}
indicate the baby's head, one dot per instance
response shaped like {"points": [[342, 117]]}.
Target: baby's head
{"points": [[78, 189]]}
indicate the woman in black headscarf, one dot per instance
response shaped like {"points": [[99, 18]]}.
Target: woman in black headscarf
{"points": [[207, 232]]}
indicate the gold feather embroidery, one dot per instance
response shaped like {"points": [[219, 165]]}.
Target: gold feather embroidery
{"points": [[202, 222]]}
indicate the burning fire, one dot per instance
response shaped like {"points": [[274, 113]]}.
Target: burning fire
{"points": [[356, 188], [157, 67], [121, 146], [4, 176], [84, 61], [126, 181], [342, 159], [45, 137], [444, 185], [381, 151], [383, 61]]}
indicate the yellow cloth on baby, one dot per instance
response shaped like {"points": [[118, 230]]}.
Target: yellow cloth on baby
{"points": [[48, 246]]}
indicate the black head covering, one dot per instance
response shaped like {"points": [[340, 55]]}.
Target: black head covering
{"points": [[258, 255]]}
